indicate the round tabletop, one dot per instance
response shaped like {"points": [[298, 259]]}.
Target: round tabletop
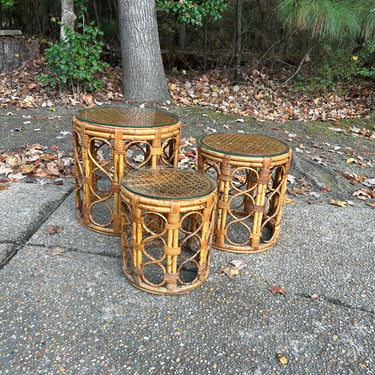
{"points": [[127, 117], [243, 144], [168, 183]]}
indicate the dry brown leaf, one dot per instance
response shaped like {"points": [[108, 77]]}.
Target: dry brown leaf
{"points": [[53, 229], [88, 99], [302, 190], [301, 181], [48, 157], [351, 176], [230, 271], [325, 189], [53, 169], [28, 168], [277, 290], [362, 194]]}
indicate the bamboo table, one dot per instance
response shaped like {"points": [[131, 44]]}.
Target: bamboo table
{"points": [[108, 141], [251, 173], [167, 228]]}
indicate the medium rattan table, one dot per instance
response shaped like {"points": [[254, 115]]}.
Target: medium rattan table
{"points": [[251, 173], [108, 141], [167, 228]]}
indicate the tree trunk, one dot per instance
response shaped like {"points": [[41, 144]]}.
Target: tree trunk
{"points": [[143, 71], [238, 44], [95, 6], [68, 16], [182, 37], [15, 50]]}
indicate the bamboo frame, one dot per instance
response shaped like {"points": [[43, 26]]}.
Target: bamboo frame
{"points": [[105, 141], [183, 230], [251, 173]]}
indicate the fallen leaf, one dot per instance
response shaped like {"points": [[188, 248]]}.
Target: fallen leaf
{"points": [[15, 177], [291, 179], [28, 168], [53, 169], [277, 290], [4, 187], [369, 182], [57, 251], [351, 176], [239, 263], [302, 190], [87, 99], [325, 189], [283, 360], [362, 195], [230, 271], [337, 202], [289, 200], [53, 229], [303, 182]]}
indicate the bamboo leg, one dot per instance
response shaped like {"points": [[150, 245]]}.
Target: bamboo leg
{"points": [[87, 168], [173, 250], [176, 150], [223, 205], [264, 176], [251, 182], [118, 155], [156, 150]]}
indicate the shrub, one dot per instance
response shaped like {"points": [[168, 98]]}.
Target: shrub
{"points": [[74, 61]]}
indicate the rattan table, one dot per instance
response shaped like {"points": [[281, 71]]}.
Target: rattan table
{"points": [[251, 173], [167, 228], [108, 141]]}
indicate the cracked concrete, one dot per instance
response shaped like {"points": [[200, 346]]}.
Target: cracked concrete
{"points": [[66, 306]]}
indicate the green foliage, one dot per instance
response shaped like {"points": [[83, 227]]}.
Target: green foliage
{"points": [[7, 3], [343, 35], [367, 51], [74, 61], [339, 66], [193, 12], [367, 18], [322, 19]]}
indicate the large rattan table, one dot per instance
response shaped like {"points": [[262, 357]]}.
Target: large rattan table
{"points": [[251, 173], [167, 228], [108, 141]]}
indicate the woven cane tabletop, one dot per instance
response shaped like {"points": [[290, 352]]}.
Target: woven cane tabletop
{"points": [[168, 183], [133, 117], [243, 144]]}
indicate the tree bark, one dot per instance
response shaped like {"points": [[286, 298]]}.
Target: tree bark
{"points": [[238, 44], [143, 70], [68, 16]]}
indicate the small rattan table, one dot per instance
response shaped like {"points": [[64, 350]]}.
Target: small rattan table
{"points": [[167, 228], [251, 173], [108, 141]]}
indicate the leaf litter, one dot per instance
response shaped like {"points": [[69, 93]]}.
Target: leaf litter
{"points": [[261, 96], [35, 161]]}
